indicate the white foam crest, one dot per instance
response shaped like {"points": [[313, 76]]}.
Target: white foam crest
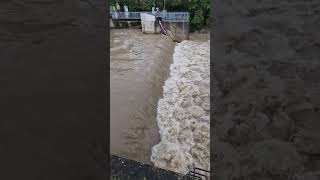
{"points": [[183, 112]]}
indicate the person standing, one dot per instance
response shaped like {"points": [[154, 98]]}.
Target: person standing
{"points": [[159, 21]]}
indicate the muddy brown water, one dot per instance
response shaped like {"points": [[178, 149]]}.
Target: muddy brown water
{"points": [[139, 67]]}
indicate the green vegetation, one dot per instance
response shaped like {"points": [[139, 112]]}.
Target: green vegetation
{"points": [[199, 9]]}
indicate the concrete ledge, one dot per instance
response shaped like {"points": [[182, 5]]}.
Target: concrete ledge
{"points": [[122, 168]]}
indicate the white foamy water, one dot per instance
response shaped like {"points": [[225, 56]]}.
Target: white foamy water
{"points": [[183, 113]]}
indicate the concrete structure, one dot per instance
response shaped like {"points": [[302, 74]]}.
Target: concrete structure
{"points": [[122, 168], [126, 10], [111, 24], [148, 23], [176, 23]]}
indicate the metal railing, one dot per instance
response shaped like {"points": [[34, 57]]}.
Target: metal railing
{"points": [[166, 16], [126, 15], [174, 16], [200, 174]]}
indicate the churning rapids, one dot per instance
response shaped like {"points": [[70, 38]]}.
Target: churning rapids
{"points": [[184, 111], [160, 113]]}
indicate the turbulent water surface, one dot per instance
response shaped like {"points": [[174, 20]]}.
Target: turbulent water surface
{"points": [[156, 118], [139, 66], [183, 113]]}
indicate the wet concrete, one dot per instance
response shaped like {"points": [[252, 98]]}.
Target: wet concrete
{"points": [[139, 66], [124, 169]]}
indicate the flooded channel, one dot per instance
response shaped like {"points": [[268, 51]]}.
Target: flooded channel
{"points": [[139, 67]]}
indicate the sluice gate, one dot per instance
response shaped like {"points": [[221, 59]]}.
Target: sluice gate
{"points": [[173, 24]]}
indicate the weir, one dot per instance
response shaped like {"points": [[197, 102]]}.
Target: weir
{"points": [[127, 60], [140, 65], [173, 24]]}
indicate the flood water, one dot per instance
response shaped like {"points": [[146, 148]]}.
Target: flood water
{"points": [[139, 67]]}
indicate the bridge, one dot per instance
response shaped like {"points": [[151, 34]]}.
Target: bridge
{"points": [[166, 16]]}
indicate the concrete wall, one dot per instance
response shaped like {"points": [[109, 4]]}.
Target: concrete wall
{"points": [[179, 30], [111, 24], [148, 23]]}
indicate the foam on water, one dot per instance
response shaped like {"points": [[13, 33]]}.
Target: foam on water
{"points": [[183, 113]]}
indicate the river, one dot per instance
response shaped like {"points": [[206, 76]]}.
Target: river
{"points": [[139, 67]]}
